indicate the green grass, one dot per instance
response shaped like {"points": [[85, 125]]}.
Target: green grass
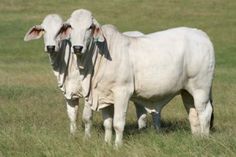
{"points": [[33, 120]]}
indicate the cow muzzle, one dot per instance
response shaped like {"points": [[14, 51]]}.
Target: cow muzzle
{"points": [[77, 49], [50, 48]]}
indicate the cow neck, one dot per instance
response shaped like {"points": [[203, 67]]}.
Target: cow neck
{"points": [[59, 61], [86, 64], [103, 56]]}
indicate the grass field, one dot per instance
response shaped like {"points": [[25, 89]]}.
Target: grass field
{"points": [[33, 121]]}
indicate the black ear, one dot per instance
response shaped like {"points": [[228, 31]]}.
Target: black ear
{"points": [[64, 32], [34, 32]]}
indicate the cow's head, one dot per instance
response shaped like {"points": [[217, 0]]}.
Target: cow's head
{"points": [[48, 29], [81, 28]]}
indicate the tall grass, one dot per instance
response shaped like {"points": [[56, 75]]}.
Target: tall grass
{"points": [[33, 120]]}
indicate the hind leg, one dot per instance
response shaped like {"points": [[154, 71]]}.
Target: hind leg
{"points": [[204, 109], [192, 113]]}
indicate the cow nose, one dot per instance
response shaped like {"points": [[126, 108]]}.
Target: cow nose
{"points": [[50, 48], [77, 49]]}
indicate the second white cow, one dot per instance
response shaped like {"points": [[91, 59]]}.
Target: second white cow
{"points": [[64, 67]]}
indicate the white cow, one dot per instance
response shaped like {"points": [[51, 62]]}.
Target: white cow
{"points": [[64, 65], [115, 68], [179, 60]]}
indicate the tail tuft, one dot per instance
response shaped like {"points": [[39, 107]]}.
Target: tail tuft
{"points": [[212, 115]]}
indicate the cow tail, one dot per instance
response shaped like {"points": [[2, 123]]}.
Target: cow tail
{"points": [[212, 114]]}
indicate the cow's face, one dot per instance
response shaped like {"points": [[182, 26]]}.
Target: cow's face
{"points": [[48, 29], [81, 28]]}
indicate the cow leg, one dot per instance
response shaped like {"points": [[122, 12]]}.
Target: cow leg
{"points": [[192, 113], [87, 119], [141, 116], [156, 116], [204, 109], [107, 114], [72, 109], [120, 110]]}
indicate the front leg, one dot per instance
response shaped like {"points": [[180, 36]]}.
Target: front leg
{"points": [[87, 119], [120, 110], [107, 114], [72, 110]]}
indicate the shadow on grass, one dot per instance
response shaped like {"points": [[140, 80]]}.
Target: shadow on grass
{"points": [[167, 127], [173, 126]]}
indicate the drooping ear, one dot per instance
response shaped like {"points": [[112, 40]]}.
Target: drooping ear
{"points": [[97, 34], [64, 32], [34, 33]]}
